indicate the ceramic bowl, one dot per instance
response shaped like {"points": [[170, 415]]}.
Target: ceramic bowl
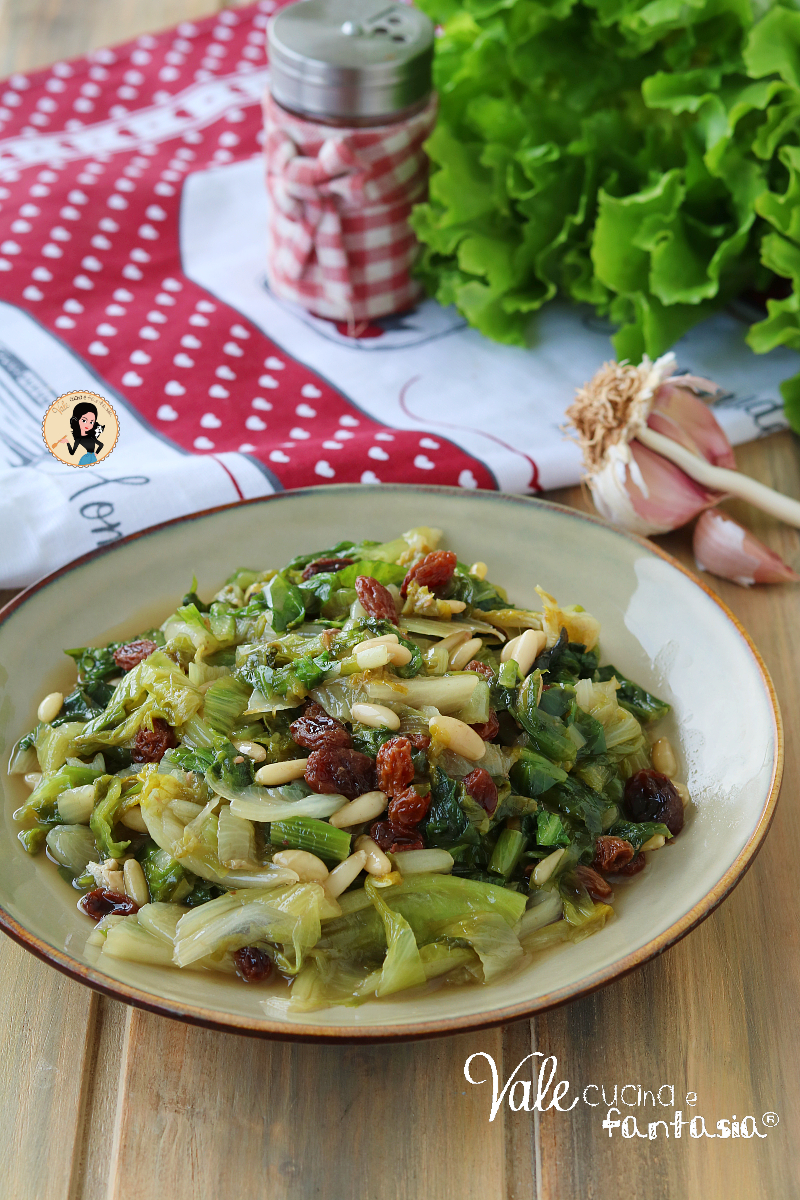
{"points": [[659, 626]]}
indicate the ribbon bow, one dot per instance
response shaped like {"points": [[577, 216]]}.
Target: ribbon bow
{"points": [[310, 192]]}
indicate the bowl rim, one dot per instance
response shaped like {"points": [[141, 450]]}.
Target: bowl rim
{"points": [[266, 1027]]}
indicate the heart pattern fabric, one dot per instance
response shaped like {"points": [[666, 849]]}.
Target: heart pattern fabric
{"points": [[91, 253]]}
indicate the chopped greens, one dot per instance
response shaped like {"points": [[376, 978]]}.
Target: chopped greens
{"points": [[230, 754]]}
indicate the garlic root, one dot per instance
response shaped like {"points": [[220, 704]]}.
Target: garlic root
{"points": [[721, 479]]}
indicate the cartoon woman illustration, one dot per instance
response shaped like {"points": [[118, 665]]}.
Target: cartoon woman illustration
{"points": [[83, 423]]}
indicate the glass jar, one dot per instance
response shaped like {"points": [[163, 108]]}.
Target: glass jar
{"points": [[349, 106]]}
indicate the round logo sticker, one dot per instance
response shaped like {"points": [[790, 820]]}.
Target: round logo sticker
{"points": [[80, 429]]}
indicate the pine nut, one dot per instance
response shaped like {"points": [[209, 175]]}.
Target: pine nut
{"points": [[664, 758], [453, 640], [653, 843], [135, 882], [363, 808], [529, 645], [308, 868], [50, 707], [455, 606], [373, 657], [457, 736], [33, 779], [114, 881], [385, 640], [251, 749], [132, 819], [465, 654], [376, 861], [682, 791], [479, 570], [399, 656], [342, 876], [547, 866], [274, 774], [377, 716], [507, 652]]}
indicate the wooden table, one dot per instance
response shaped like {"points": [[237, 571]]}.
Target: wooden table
{"points": [[103, 1101]]}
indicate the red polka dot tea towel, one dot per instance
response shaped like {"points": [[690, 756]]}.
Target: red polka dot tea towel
{"points": [[133, 218]]}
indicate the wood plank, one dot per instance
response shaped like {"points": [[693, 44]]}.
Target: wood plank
{"points": [[713, 1014], [219, 1117], [94, 1145], [45, 1024], [519, 1040], [35, 34]]}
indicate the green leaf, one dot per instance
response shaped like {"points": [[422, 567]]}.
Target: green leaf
{"points": [[773, 46], [402, 966], [790, 390], [285, 602], [532, 774], [638, 832], [643, 705], [447, 824], [783, 211], [162, 872], [108, 799]]}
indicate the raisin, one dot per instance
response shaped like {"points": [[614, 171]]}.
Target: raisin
{"points": [[482, 668], [636, 865], [480, 785], [396, 838], [252, 965], [316, 730], [419, 741], [651, 796], [611, 853], [408, 808], [326, 564], [152, 745], [395, 765], [434, 571], [132, 653], [489, 729], [376, 600], [102, 901], [597, 887], [336, 769]]}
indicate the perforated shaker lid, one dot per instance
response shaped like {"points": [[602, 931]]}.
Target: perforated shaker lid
{"points": [[350, 59]]}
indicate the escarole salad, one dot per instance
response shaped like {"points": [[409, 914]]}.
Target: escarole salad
{"points": [[361, 772]]}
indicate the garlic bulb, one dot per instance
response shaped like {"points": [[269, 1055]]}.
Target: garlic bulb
{"points": [[725, 548], [631, 484]]}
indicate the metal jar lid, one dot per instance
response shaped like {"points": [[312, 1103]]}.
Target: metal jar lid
{"points": [[350, 59]]}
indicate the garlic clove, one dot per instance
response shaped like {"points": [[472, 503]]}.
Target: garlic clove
{"points": [[679, 413], [662, 496], [724, 547], [632, 485], [654, 455]]}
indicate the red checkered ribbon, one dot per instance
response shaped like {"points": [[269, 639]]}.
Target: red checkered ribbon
{"points": [[339, 239]]}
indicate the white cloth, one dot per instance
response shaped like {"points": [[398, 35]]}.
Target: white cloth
{"points": [[427, 372]]}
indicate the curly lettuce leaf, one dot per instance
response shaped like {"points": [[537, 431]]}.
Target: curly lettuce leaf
{"points": [[629, 155]]}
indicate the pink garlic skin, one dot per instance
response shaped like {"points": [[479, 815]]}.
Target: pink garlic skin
{"points": [[727, 549], [673, 498], [679, 413]]}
